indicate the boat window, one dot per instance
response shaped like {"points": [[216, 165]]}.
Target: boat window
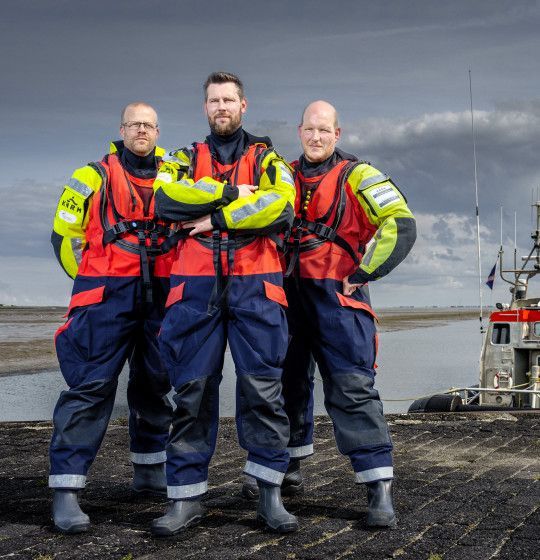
{"points": [[501, 333], [537, 329]]}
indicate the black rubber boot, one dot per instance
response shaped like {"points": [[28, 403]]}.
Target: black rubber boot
{"points": [[250, 490], [271, 511], [68, 516], [149, 478], [380, 508], [180, 514], [293, 483]]}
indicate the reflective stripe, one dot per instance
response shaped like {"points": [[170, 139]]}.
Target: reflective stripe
{"points": [[372, 181], [372, 475], [286, 176], [202, 186], [264, 473], [67, 481], [366, 259], [78, 186], [300, 452], [187, 490], [148, 458], [184, 183], [77, 247], [164, 177], [388, 201], [249, 209]]}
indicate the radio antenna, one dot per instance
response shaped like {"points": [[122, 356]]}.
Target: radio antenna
{"points": [[477, 209]]}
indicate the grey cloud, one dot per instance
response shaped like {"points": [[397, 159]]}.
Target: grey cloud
{"points": [[390, 13], [283, 135], [432, 158], [396, 71], [449, 256], [444, 233], [26, 216]]}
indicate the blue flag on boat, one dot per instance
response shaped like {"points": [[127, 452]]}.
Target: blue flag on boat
{"points": [[491, 277]]}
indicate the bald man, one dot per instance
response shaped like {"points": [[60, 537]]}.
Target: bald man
{"points": [[342, 204], [108, 239]]}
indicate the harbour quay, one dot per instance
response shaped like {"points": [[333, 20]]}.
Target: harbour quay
{"points": [[467, 487]]}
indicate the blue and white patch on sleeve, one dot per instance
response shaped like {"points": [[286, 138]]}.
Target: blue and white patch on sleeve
{"points": [[384, 196]]}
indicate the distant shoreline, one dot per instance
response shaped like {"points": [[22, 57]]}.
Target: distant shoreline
{"points": [[22, 356]]}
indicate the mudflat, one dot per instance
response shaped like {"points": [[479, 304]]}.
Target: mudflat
{"points": [[27, 339]]}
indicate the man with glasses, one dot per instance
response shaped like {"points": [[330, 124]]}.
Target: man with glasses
{"points": [[107, 238]]}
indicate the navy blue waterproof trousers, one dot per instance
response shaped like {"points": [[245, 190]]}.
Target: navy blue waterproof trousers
{"points": [[109, 323], [193, 340], [338, 334]]}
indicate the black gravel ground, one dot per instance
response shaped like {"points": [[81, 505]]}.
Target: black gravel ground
{"points": [[467, 487]]}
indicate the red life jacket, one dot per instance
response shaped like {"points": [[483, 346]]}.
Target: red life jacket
{"points": [[241, 172], [119, 235], [330, 230], [251, 254]]}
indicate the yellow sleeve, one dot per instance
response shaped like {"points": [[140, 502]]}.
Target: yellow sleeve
{"points": [[180, 198], [71, 217], [270, 208], [386, 208]]}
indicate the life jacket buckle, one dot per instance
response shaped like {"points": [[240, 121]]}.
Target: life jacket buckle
{"points": [[323, 231], [119, 228]]}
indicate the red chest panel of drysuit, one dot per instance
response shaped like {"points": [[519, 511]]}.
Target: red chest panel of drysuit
{"points": [[111, 259], [328, 260], [258, 257]]}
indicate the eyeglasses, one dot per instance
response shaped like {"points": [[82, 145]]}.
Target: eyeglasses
{"points": [[135, 125]]}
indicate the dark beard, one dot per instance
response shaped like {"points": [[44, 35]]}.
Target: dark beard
{"points": [[226, 129]]}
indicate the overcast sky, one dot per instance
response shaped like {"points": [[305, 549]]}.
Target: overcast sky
{"points": [[396, 71]]}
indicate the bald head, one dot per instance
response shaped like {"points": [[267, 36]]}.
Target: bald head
{"points": [[319, 131], [136, 105], [321, 106]]}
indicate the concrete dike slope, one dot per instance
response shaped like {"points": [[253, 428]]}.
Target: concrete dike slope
{"points": [[467, 487]]}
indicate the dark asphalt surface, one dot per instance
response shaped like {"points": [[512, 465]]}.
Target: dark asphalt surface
{"points": [[467, 487]]}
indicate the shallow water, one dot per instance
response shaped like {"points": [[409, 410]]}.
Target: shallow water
{"points": [[15, 332], [412, 363]]}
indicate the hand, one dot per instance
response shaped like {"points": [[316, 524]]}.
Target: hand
{"points": [[348, 288], [200, 225], [246, 190]]}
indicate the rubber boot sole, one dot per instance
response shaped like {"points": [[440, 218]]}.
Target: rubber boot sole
{"points": [[73, 529], [382, 522], [166, 532], [290, 527]]}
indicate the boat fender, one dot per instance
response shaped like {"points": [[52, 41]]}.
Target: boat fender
{"points": [[436, 403]]}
